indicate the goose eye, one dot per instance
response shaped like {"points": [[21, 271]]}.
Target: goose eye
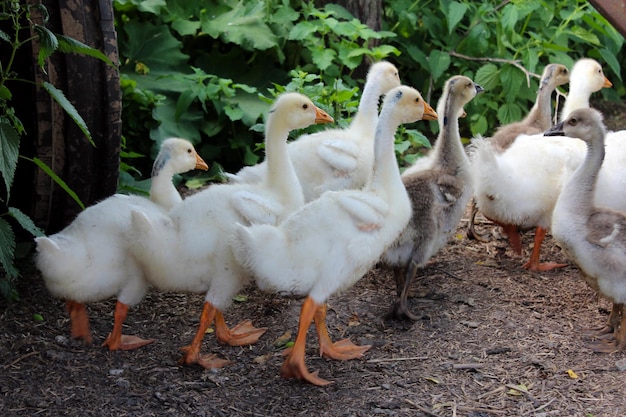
{"points": [[189, 150], [305, 106], [417, 100]]}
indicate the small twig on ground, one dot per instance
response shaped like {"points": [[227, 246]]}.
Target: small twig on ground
{"points": [[541, 408], [422, 409], [446, 272], [21, 358], [414, 358], [468, 365]]}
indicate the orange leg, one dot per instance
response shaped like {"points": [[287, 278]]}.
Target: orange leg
{"points": [[79, 321], [294, 366], [116, 340], [533, 263], [241, 335], [341, 350], [192, 352], [512, 233]]}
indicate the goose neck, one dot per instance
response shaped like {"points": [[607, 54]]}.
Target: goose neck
{"points": [[281, 175]]}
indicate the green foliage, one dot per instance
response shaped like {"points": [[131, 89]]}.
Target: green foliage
{"points": [[12, 129], [217, 63], [491, 42]]}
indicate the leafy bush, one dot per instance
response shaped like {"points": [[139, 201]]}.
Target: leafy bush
{"points": [[212, 60], [497, 43]]}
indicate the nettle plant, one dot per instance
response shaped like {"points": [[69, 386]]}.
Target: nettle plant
{"points": [[502, 45], [17, 16], [219, 64]]}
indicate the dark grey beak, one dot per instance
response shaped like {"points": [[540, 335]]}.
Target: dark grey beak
{"points": [[556, 130], [479, 89]]}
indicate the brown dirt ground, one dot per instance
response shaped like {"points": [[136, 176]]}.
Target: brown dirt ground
{"points": [[492, 340]]}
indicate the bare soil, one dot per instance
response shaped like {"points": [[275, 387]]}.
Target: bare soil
{"points": [[493, 340]]}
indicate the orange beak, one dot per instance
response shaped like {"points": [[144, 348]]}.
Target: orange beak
{"points": [[200, 164], [429, 113], [322, 117], [607, 83]]}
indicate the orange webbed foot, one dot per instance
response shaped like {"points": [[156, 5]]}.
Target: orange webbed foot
{"points": [[242, 334], [126, 342], [206, 361], [293, 368], [543, 267], [343, 350]]}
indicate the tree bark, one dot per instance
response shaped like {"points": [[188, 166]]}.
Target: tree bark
{"points": [[94, 90], [368, 12]]}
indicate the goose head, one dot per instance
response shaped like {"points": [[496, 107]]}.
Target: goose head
{"points": [[459, 90], [301, 110], [587, 74], [554, 75], [585, 124], [179, 155], [385, 75], [586, 78]]}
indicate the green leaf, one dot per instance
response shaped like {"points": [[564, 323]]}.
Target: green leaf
{"points": [[512, 80], [37, 317], [509, 16], [25, 221], [479, 127], [152, 6], [612, 61], [302, 31], [508, 113], [153, 46], [5, 93], [439, 62], [69, 108], [41, 164], [71, 45], [323, 58], [9, 152], [455, 14], [242, 26], [48, 43], [585, 35], [7, 248], [4, 36], [488, 76]]}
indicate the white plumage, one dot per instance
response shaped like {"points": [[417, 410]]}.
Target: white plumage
{"points": [[336, 159], [87, 262], [518, 187], [330, 243], [188, 250]]}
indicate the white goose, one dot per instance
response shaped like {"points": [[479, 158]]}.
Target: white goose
{"points": [[537, 121], [187, 249], [87, 262], [587, 78], [438, 194], [331, 242], [336, 159], [519, 187], [591, 236]]}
